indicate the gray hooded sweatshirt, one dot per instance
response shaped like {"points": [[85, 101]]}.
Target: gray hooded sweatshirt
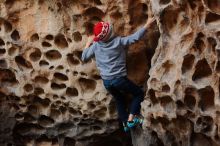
{"points": [[111, 55]]}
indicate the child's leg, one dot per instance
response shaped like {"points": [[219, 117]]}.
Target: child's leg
{"points": [[138, 95], [120, 101], [120, 104]]}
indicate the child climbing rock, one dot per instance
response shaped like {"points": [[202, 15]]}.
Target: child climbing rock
{"points": [[110, 54]]}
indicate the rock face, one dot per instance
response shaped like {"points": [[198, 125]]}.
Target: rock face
{"points": [[48, 96], [182, 102]]}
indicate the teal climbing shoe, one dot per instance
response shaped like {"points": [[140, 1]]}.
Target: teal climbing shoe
{"points": [[136, 121], [126, 129]]}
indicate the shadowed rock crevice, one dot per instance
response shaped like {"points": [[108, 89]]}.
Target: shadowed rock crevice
{"points": [[87, 85], [206, 98], [202, 70], [60, 41]]}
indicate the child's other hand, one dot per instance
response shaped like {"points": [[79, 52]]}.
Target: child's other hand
{"points": [[150, 20], [89, 41]]}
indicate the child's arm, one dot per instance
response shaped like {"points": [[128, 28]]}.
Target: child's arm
{"points": [[137, 35], [88, 52]]}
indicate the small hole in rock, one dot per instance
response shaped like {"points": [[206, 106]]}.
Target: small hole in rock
{"points": [[13, 50], [43, 63], [52, 67], [164, 2], [87, 85], [77, 36], [15, 35], [19, 116], [53, 55], [190, 101], [169, 18], [75, 73], [96, 127], [188, 62], [54, 113], [166, 88], [55, 97], [202, 70], [204, 123], [41, 79], [2, 51], [78, 54], [180, 104], [199, 43], [218, 67], [212, 17], [7, 76], [69, 40], [60, 76], [46, 44], [212, 43], [29, 118], [60, 41], [63, 109], [97, 2], [28, 87], [206, 98], [34, 37], [83, 74], [38, 91], [152, 96], [60, 67], [40, 101], [94, 11], [71, 91], [49, 37], [33, 110], [96, 77], [2, 42], [36, 55], [56, 86], [72, 60], [101, 112], [165, 100], [9, 2], [91, 105], [22, 62], [3, 63], [45, 121]]}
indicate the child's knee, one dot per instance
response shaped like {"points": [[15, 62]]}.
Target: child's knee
{"points": [[140, 95]]}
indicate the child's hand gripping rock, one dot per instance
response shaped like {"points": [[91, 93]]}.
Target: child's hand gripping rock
{"points": [[89, 42], [149, 22]]}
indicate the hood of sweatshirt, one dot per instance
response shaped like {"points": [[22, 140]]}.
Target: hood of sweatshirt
{"points": [[109, 42]]}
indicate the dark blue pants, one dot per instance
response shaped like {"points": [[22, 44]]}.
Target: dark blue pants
{"points": [[123, 85]]}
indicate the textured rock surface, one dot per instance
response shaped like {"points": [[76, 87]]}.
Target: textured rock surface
{"points": [[182, 102], [49, 97]]}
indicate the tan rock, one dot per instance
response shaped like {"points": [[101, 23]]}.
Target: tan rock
{"points": [[48, 96]]}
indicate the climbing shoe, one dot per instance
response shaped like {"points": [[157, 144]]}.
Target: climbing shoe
{"points": [[136, 121], [126, 129]]}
